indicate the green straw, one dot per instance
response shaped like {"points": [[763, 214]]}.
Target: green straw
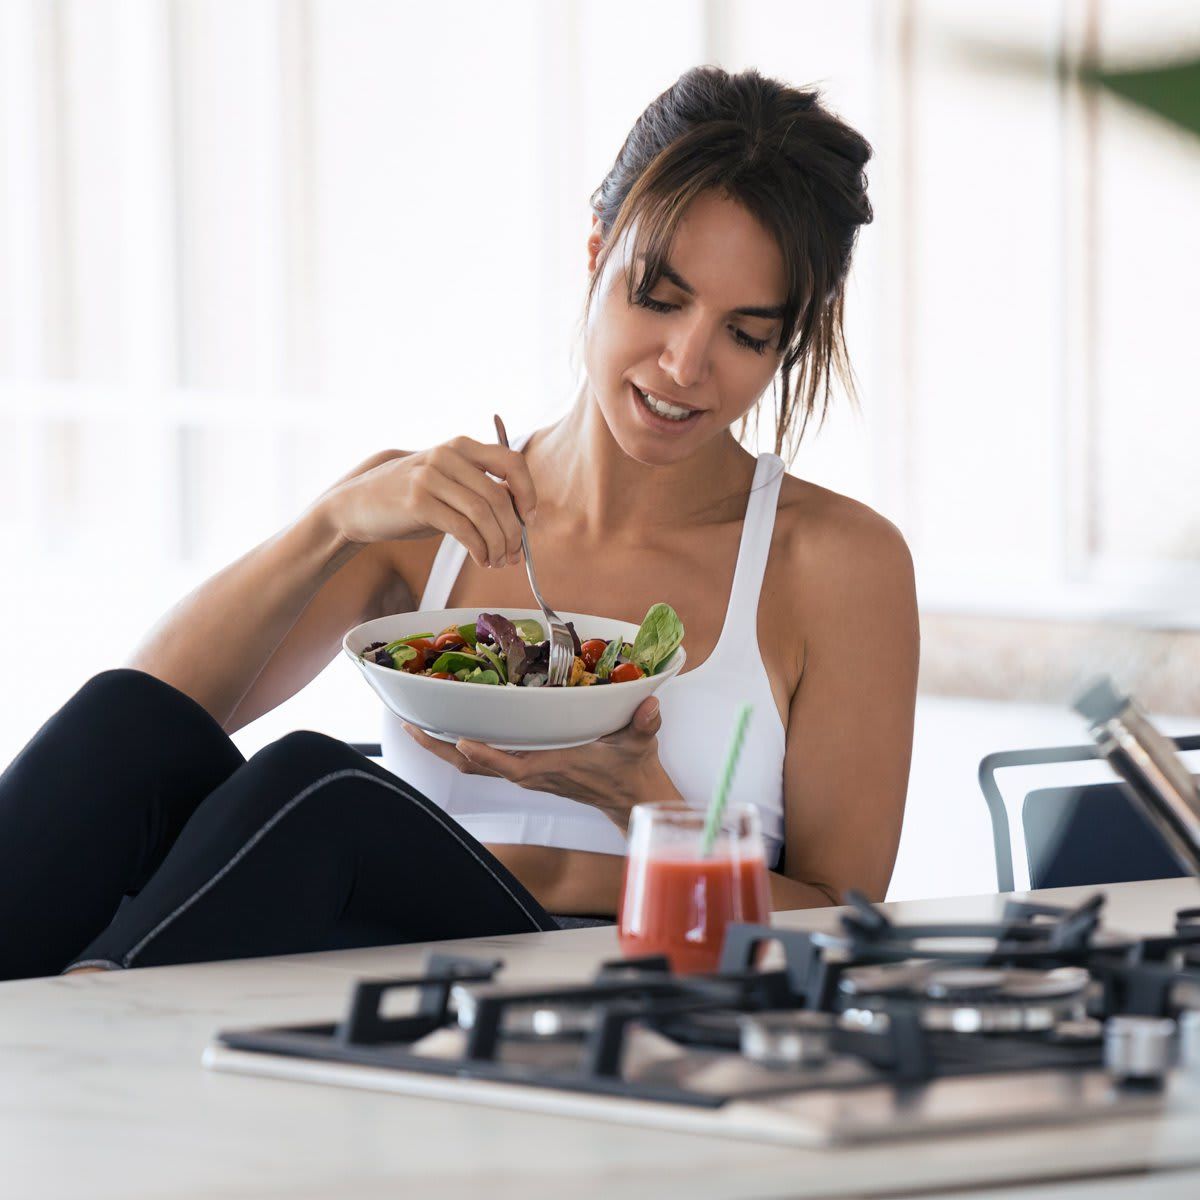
{"points": [[716, 806]]}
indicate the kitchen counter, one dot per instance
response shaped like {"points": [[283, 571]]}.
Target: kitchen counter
{"points": [[103, 1094]]}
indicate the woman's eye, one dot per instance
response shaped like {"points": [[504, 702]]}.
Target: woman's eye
{"points": [[654, 305], [758, 345]]}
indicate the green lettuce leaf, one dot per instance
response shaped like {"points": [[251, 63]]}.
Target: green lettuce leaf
{"points": [[658, 638], [401, 655], [608, 659], [456, 660], [478, 676], [498, 663], [531, 631]]}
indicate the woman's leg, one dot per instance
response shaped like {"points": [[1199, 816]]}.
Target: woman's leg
{"points": [[90, 807], [311, 846]]}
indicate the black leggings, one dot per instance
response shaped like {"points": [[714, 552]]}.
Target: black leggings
{"points": [[133, 834]]}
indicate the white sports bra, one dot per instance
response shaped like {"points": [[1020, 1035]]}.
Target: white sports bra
{"points": [[698, 710]]}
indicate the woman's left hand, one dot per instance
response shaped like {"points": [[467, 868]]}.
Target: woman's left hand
{"points": [[611, 774]]}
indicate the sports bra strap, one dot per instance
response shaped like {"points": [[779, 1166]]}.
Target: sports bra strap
{"points": [[739, 634]]}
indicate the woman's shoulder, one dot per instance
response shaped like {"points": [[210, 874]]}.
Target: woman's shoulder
{"points": [[839, 546]]}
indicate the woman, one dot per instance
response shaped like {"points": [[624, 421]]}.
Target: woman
{"points": [[719, 249]]}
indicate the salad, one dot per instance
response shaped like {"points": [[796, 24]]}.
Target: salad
{"points": [[496, 651]]}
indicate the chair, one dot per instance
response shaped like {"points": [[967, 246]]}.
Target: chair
{"points": [[1075, 833]]}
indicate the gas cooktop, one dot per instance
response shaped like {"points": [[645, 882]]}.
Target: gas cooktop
{"points": [[877, 1031]]}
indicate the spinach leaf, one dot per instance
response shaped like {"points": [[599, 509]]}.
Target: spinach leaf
{"points": [[608, 659], [467, 633], [478, 676], [658, 638], [401, 655], [497, 662], [455, 661], [531, 631]]}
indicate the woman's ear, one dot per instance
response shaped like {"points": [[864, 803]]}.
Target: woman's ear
{"points": [[594, 243]]}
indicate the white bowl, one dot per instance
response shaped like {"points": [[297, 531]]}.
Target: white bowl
{"points": [[509, 718]]}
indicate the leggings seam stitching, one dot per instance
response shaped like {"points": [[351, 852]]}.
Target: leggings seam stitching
{"points": [[427, 807]]}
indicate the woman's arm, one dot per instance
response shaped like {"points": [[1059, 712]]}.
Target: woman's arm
{"points": [[257, 631], [300, 586], [850, 724]]}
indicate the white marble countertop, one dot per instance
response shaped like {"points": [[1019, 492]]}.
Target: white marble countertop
{"points": [[102, 1094]]}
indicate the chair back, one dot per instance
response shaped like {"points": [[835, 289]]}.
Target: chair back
{"points": [[1083, 830]]}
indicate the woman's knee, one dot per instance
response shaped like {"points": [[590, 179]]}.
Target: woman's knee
{"points": [[295, 787], [124, 694], [119, 685], [299, 765], [306, 748]]}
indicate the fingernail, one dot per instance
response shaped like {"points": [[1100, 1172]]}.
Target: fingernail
{"points": [[529, 520], [653, 708], [407, 728]]}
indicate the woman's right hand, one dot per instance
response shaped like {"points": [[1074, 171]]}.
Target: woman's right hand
{"points": [[448, 488]]}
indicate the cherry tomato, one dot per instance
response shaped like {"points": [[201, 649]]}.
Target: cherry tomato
{"points": [[450, 640], [441, 675], [626, 673], [423, 647], [590, 652]]}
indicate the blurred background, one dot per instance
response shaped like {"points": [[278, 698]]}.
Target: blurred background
{"points": [[243, 245]]}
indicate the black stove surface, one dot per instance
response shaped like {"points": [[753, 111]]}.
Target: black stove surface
{"points": [[894, 1004]]}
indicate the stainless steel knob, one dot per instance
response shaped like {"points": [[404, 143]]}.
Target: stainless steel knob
{"points": [[1138, 1049], [787, 1038], [1189, 1040]]}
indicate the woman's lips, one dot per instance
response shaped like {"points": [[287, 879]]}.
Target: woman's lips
{"points": [[654, 421]]}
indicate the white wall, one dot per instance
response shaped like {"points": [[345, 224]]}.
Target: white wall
{"points": [[245, 246]]}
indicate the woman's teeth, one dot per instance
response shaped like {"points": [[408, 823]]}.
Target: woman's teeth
{"points": [[671, 411]]}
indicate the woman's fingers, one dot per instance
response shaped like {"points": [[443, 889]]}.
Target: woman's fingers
{"points": [[495, 495], [477, 509], [448, 519], [446, 752], [509, 465], [397, 496]]}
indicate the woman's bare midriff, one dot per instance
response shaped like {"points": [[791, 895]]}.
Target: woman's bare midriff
{"points": [[567, 882]]}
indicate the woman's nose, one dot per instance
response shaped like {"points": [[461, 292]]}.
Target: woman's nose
{"points": [[686, 356]]}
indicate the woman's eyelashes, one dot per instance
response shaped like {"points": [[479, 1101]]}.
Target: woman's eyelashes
{"points": [[758, 345]]}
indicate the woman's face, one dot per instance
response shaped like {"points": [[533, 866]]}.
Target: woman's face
{"points": [[692, 352]]}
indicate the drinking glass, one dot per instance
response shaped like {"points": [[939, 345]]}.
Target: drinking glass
{"points": [[677, 901]]}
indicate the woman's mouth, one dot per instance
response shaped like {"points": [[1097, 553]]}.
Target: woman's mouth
{"points": [[660, 413]]}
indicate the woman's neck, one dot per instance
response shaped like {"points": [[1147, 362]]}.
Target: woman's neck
{"points": [[583, 475]]}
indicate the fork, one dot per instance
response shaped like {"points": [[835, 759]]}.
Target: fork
{"points": [[562, 645]]}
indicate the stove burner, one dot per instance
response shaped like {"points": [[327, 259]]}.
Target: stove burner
{"points": [[545, 1020], [969, 999], [1081, 1031], [965, 983], [791, 1038]]}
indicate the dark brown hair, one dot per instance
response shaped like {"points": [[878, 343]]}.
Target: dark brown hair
{"points": [[794, 166]]}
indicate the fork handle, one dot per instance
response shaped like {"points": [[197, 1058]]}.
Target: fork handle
{"points": [[537, 595]]}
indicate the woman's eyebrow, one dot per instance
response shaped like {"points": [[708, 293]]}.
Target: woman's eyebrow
{"points": [[771, 313]]}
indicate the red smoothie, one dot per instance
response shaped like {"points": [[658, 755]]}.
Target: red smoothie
{"points": [[680, 906]]}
